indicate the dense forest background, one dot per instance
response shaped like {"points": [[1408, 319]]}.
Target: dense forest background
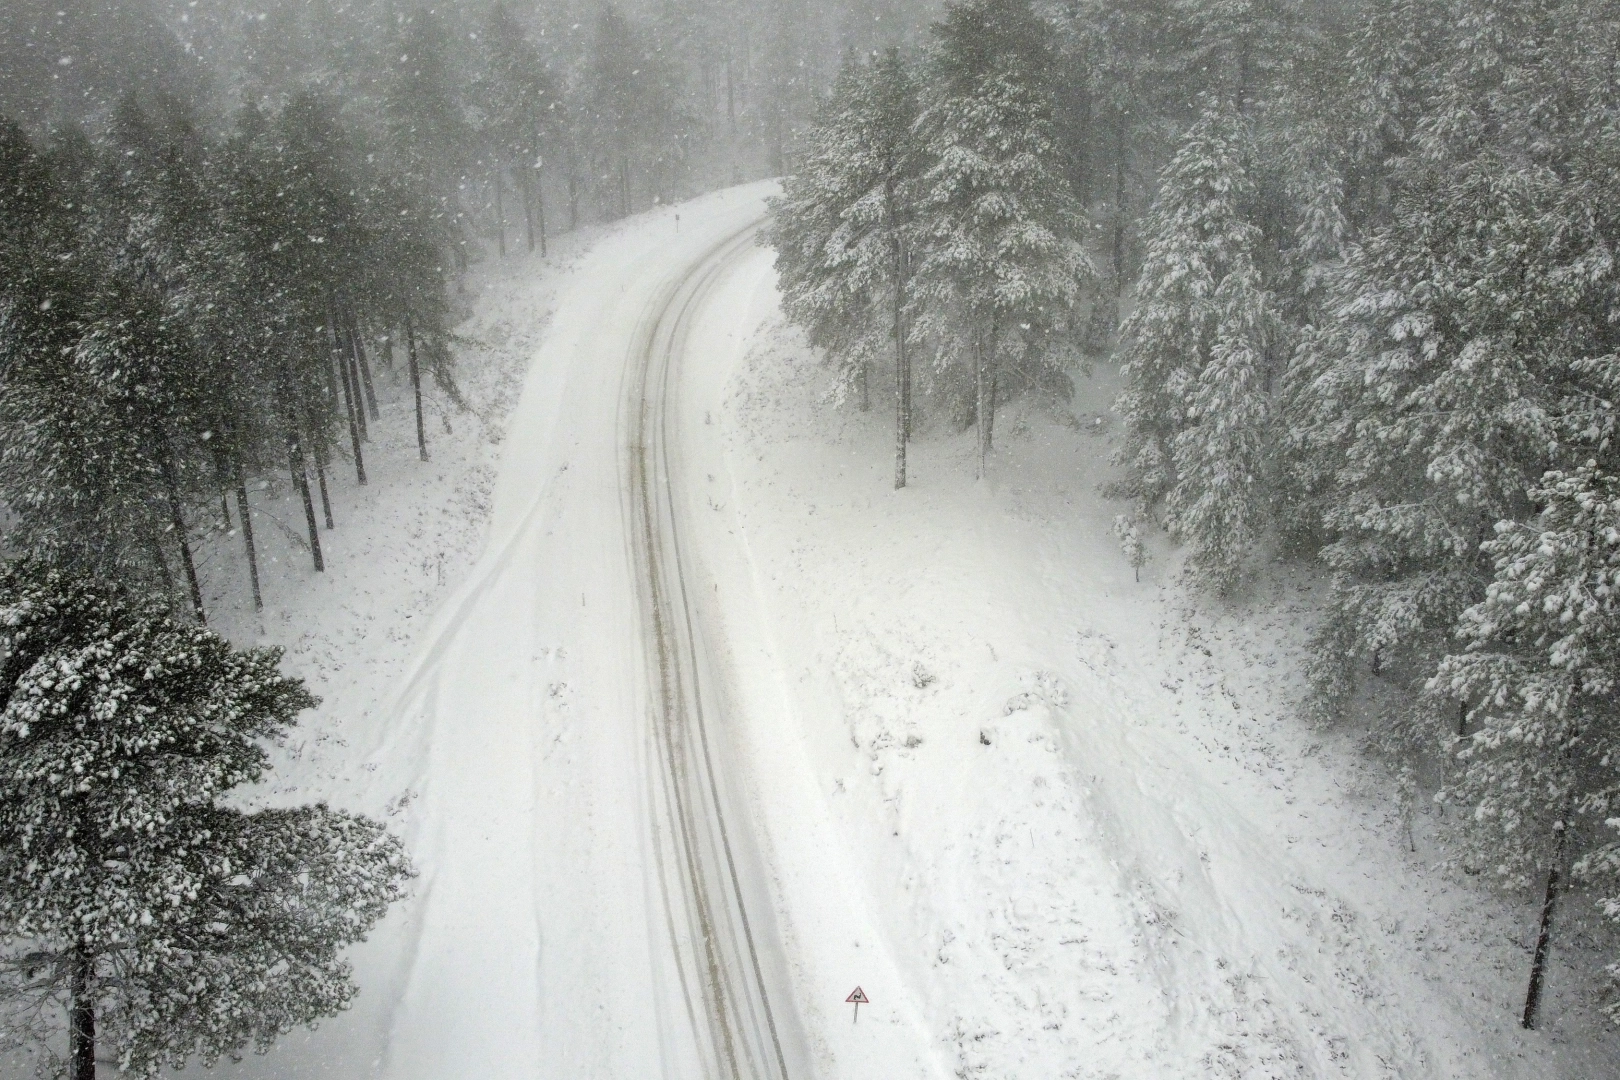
{"points": [[1356, 266]]}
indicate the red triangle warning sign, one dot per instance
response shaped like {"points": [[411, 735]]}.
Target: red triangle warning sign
{"points": [[858, 996]]}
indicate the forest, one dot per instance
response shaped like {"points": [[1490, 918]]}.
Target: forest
{"points": [[1355, 262], [1356, 266], [217, 225]]}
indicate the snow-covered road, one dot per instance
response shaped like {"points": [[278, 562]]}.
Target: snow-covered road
{"points": [[586, 908]]}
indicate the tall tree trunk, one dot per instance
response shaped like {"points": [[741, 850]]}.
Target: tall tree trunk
{"points": [[539, 209], [902, 422], [524, 192], [243, 510], [731, 98], [357, 349], [354, 427], [500, 213], [1538, 963], [222, 478], [177, 521], [323, 458], [573, 199], [902, 369], [416, 389], [295, 465], [990, 415], [359, 403], [981, 387], [81, 1017], [162, 563], [1119, 213], [624, 185]]}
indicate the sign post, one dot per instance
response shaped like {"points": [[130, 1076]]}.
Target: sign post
{"points": [[858, 996]]}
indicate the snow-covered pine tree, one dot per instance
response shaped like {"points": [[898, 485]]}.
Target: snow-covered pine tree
{"points": [[519, 100], [1130, 543], [98, 393], [1445, 385], [138, 909], [1540, 768], [428, 133], [1000, 270], [1200, 355], [1112, 120], [840, 229]]}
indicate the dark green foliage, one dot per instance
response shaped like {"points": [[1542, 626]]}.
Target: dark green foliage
{"points": [[189, 927]]}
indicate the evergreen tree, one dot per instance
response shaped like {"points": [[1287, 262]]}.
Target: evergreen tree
{"points": [[428, 130], [999, 264], [163, 922], [520, 100], [1199, 353], [840, 229], [1540, 775]]}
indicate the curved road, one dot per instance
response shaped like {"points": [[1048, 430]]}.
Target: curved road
{"points": [[717, 954], [593, 902]]}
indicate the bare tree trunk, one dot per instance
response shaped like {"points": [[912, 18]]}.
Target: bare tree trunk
{"points": [[81, 1017], [322, 458], [990, 416], [624, 185], [902, 422], [359, 402], [162, 565], [340, 361], [573, 199], [178, 522], [357, 348], [1538, 963], [731, 97], [295, 465], [354, 428], [1119, 212], [222, 478], [244, 511], [980, 400], [416, 388], [540, 210], [524, 192], [500, 212]]}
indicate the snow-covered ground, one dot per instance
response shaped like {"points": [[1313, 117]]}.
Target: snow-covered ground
{"points": [[1055, 822], [1094, 834]]}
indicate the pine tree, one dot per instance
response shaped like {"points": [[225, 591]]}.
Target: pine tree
{"points": [[428, 131], [841, 229], [520, 100], [1000, 269], [1130, 543], [164, 922], [1199, 354], [1540, 767]]}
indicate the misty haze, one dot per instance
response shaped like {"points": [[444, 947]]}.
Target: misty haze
{"points": [[810, 539]]}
